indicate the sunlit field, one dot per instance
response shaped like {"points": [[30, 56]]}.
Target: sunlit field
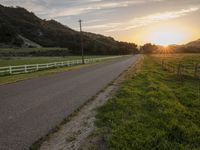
{"points": [[153, 109], [189, 59], [182, 64], [100, 74]]}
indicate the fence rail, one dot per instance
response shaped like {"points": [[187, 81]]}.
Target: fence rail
{"points": [[10, 70], [192, 70]]}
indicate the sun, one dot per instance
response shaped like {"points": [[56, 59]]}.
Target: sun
{"points": [[166, 35]]}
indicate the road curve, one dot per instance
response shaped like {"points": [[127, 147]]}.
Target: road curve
{"points": [[30, 108]]}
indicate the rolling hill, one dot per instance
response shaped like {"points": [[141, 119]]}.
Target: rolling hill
{"points": [[21, 28], [194, 44], [191, 47]]}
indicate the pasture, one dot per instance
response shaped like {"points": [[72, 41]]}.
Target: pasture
{"points": [[14, 61], [180, 64], [188, 59], [153, 109], [27, 52], [43, 49]]}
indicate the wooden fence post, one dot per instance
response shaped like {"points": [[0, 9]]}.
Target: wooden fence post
{"points": [[10, 69], [196, 70], [25, 68], [37, 67], [198, 86], [167, 66], [179, 70], [162, 63], [174, 68]]}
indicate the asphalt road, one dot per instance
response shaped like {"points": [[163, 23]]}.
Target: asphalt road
{"points": [[30, 108]]}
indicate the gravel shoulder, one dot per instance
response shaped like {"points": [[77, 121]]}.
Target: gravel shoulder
{"points": [[29, 109], [74, 133], [78, 132]]}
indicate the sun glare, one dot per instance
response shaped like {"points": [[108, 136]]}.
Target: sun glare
{"points": [[166, 36]]}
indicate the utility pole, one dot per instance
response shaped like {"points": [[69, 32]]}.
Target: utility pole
{"points": [[81, 34]]}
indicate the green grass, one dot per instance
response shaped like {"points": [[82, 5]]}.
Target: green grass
{"points": [[9, 50], [188, 59], [13, 61], [152, 110]]}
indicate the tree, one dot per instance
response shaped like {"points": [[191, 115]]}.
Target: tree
{"points": [[149, 48]]}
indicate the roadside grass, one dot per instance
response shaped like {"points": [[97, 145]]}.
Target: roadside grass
{"points": [[14, 61], [152, 109]]}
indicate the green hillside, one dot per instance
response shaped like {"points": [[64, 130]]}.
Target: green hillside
{"points": [[18, 22]]}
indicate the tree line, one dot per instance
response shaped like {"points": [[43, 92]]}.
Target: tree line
{"points": [[50, 33]]}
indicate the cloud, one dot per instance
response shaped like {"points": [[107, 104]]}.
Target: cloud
{"points": [[97, 9], [103, 26], [32, 5], [62, 8], [92, 5], [144, 20], [93, 21]]}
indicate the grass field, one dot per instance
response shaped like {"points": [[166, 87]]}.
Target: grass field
{"points": [[13, 61], [187, 64], [188, 59], [10, 50], [152, 109]]}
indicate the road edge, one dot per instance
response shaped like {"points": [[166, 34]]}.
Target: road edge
{"points": [[37, 144]]}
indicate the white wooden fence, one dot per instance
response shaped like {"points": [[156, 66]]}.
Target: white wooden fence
{"points": [[9, 70]]}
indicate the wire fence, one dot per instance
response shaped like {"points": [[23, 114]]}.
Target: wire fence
{"points": [[183, 70], [11, 70], [192, 70]]}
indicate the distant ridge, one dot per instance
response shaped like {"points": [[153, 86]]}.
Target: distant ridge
{"points": [[191, 47], [194, 43], [18, 22]]}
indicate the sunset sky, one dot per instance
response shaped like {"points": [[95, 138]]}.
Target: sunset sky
{"points": [[158, 21]]}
